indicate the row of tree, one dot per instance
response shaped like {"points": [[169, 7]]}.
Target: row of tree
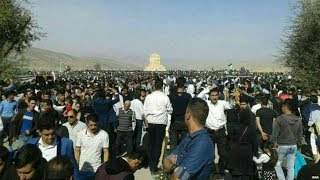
{"points": [[17, 31], [301, 44]]}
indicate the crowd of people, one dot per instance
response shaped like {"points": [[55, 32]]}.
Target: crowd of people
{"points": [[109, 124]]}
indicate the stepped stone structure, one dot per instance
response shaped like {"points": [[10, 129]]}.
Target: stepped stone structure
{"points": [[155, 63]]}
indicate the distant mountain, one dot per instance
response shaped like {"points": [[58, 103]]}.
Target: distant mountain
{"points": [[41, 59]]}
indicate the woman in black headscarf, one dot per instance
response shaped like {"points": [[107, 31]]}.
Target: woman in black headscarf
{"points": [[243, 147]]}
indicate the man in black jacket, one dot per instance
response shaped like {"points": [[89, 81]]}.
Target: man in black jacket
{"points": [[122, 167], [25, 123]]}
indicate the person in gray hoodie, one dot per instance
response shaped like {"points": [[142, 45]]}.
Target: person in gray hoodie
{"points": [[287, 133]]}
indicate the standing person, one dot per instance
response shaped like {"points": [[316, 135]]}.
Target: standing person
{"points": [[74, 126], [243, 147], [233, 115], [124, 130], [28, 164], [10, 85], [276, 102], [60, 168], [310, 171], [268, 159], [85, 110], [25, 123], [126, 94], [179, 101], [143, 95], [244, 105], [156, 107], [59, 105], [48, 109], [314, 125], [102, 104], [4, 160], [137, 107], [49, 143], [215, 125], [59, 102], [119, 104], [264, 120], [287, 133], [7, 112], [193, 157], [50, 113], [42, 97], [90, 143], [257, 106], [23, 103]]}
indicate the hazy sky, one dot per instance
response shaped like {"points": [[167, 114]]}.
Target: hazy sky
{"points": [[202, 30]]}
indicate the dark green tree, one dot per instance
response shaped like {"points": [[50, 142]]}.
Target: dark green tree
{"points": [[17, 31], [301, 44]]}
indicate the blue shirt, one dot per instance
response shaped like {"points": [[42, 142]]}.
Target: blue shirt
{"points": [[195, 156], [7, 109], [26, 122]]}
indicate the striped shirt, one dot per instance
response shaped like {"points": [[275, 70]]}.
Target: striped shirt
{"points": [[125, 120]]}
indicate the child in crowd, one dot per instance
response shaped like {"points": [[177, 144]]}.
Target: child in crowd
{"points": [[269, 158]]}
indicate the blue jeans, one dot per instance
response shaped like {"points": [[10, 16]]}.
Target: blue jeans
{"points": [[22, 140], [288, 152], [7, 128]]}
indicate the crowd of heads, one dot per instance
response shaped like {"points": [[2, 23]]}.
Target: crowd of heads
{"points": [[75, 90]]}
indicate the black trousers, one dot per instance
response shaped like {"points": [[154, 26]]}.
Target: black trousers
{"points": [[124, 136], [156, 136], [176, 137], [109, 128], [219, 138]]}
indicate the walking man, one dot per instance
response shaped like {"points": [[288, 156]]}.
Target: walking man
{"points": [[215, 124], [287, 133], [91, 142], [7, 112]]}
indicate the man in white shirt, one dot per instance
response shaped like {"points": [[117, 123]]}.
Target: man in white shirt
{"points": [[74, 125], [118, 105], [90, 143], [157, 107], [216, 122], [137, 107]]}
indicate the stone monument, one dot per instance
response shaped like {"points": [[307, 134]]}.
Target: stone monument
{"points": [[155, 63]]}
